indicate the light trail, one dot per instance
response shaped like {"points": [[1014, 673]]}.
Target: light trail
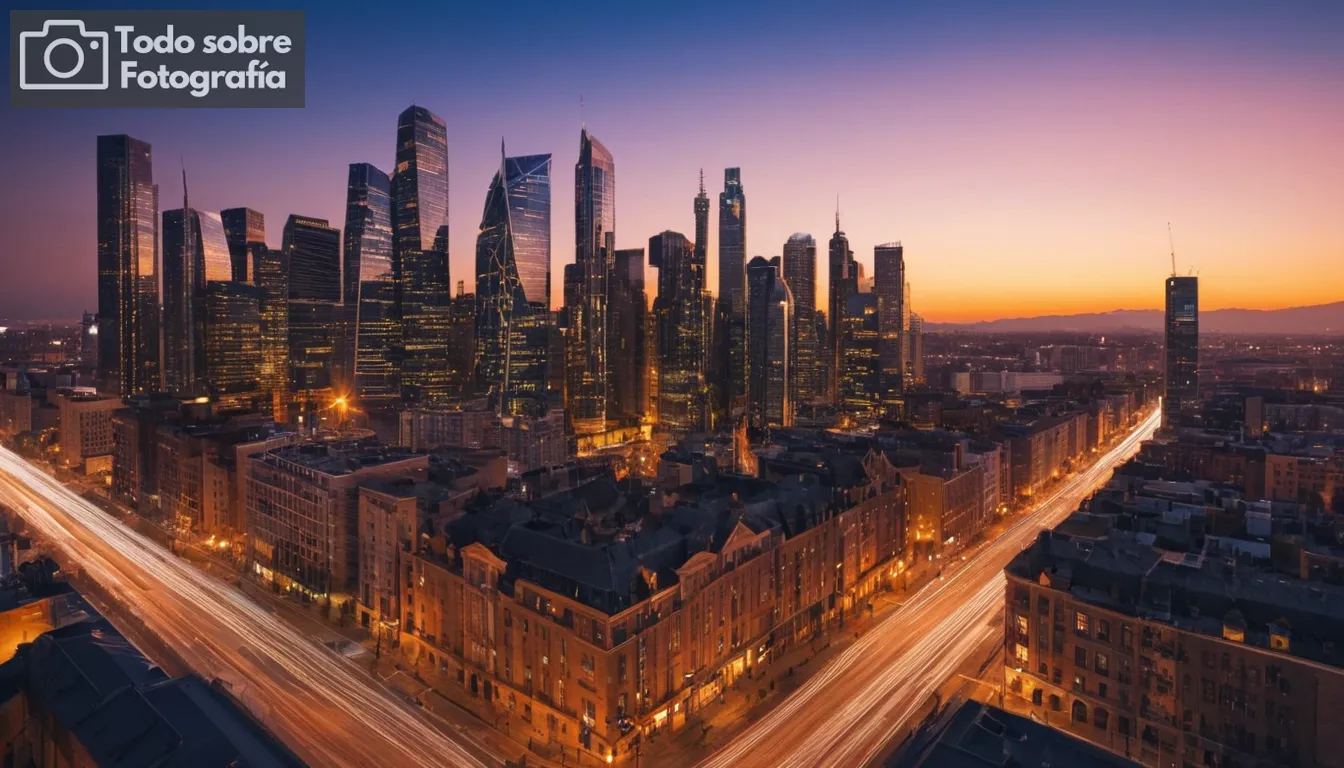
{"points": [[326, 708], [848, 712]]}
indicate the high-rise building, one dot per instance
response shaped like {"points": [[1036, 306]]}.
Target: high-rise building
{"points": [[800, 273], [860, 373], [844, 275], [243, 227], [420, 253], [313, 249], [629, 304], [232, 346], [128, 267], [681, 332], [769, 346], [88, 343], [916, 336], [270, 270], [889, 287], [594, 253], [513, 285], [732, 311], [907, 341], [1181, 394], [462, 340], [370, 332], [195, 253]]}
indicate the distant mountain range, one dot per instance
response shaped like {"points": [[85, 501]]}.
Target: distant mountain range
{"points": [[1326, 319]]}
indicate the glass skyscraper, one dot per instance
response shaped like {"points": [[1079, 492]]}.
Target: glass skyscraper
{"points": [[243, 227], [513, 285], [1181, 391], [679, 309], [195, 253], [629, 364], [889, 286], [844, 282], [769, 321], [860, 372], [800, 273], [368, 291], [313, 250], [128, 267], [270, 269], [730, 347], [594, 252], [232, 346], [420, 253]]}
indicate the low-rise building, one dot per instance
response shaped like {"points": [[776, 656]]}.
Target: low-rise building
{"points": [[85, 424]]}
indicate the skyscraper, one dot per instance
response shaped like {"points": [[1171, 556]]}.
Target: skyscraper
{"points": [[369, 289], [513, 285], [844, 275], [270, 270], [462, 340], [730, 350], [594, 254], [769, 321], [232, 346], [243, 227], [420, 253], [195, 253], [128, 267], [313, 250], [1181, 392], [800, 273], [629, 304], [889, 287], [681, 332], [860, 374], [916, 336]]}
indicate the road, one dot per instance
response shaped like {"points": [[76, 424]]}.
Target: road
{"points": [[850, 711], [324, 707]]}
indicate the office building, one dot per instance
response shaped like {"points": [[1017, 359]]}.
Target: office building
{"points": [[270, 269], [1180, 398], [889, 286], [233, 347], [769, 346], [679, 309], [195, 253], [243, 228], [128, 267], [313, 250], [732, 311], [371, 333], [844, 282], [462, 355], [513, 285], [629, 305], [420, 253], [800, 274], [85, 428], [860, 368], [587, 392]]}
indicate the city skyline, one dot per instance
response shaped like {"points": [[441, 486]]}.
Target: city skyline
{"points": [[1027, 171]]}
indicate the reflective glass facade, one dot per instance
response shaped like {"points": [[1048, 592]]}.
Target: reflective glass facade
{"points": [[730, 356], [371, 335], [243, 227], [1181, 396], [128, 267], [769, 321], [420, 253], [233, 351], [860, 372], [195, 253], [313, 251], [513, 276], [889, 286], [800, 274], [594, 252], [680, 313], [844, 282], [271, 271]]}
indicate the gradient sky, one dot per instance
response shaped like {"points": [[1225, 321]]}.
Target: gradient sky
{"points": [[1029, 155]]}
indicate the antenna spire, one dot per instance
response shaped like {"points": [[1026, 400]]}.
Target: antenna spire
{"points": [[1172, 242], [837, 212], [582, 122], [702, 181]]}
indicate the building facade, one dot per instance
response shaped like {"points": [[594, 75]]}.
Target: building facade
{"points": [[800, 274], [1181, 394], [587, 395], [370, 331], [769, 345]]}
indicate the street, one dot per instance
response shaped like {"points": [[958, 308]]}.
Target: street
{"points": [[850, 711], [329, 710]]}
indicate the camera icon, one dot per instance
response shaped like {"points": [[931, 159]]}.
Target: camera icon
{"points": [[64, 56]]}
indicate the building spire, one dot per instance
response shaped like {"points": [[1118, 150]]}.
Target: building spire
{"points": [[837, 213], [702, 181]]}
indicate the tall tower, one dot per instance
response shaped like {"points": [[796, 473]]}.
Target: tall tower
{"points": [[313, 250], [889, 286], [679, 309], [769, 321], [513, 285], [1181, 391], [800, 273], [195, 253], [844, 276], [243, 228], [420, 253], [594, 255], [369, 330], [128, 267]]}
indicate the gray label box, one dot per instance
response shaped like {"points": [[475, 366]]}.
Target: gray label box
{"points": [[210, 59]]}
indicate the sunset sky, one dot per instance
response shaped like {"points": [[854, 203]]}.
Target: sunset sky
{"points": [[1029, 155]]}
